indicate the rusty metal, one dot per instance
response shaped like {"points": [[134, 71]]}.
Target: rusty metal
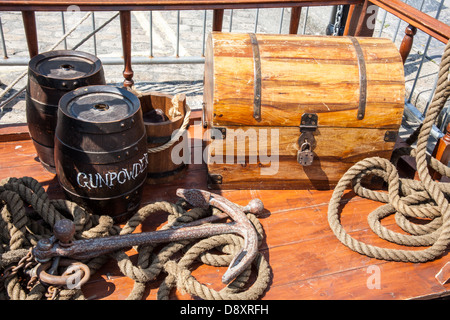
{"points": [[257, 78], [61, 244], [362, 79], [306, 141], [305, 156], [75, 275], [255, 206], [26, 263]]}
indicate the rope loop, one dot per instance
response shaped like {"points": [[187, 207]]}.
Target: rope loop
{"points": [[21, 229], [426, 200]]}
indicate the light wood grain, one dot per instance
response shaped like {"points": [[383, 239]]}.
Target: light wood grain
{"points": [[306, 259], [161, 162], [301, 74]]}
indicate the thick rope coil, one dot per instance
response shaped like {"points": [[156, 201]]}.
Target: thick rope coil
{"points": [[21, 229], [424, 199], [181, 277]]}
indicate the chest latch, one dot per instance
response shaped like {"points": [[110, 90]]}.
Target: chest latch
{"points": [[306, 141]]}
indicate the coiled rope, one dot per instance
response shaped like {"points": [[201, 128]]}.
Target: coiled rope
{"points": [[425, 199], [21, 229]]}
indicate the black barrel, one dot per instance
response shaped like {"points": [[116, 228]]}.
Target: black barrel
{"points": [[101, 150], [51, 75]]}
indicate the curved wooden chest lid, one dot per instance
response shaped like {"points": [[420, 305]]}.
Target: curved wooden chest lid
{"points": [[271, 80]]}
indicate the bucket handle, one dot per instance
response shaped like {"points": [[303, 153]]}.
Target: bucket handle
{"points": [[180, 132], [177, 136]]}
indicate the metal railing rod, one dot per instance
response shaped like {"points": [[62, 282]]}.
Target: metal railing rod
{"points": [[420, 68], [431, 95], [23, 61], [256, 20], [5, 52], [411, 112], [421, 5], [155, 60], [305, 20], [63, 24], [178, 34], [204, 33], [95, 31], [424, 55], [151, 33], [383, 21], [398, 27], [400, 21], [281, 20], [94, 37], [10, 86], [11, 98], [421, 20], [231, 21], [23, 74]]}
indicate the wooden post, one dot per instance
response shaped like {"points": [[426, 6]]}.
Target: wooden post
{"points": [[217, 19], [349, 17], [125, 27], [406, 45], [361, 20], [442, 151], [29, 23], [295, 20]]}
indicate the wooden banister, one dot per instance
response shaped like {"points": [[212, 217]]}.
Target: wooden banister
{"points": [[416, 18], [28, 7], [442, 151], [125, 27], [217, 20], [295, 20], [406, 45], [29, 24], [124, 5]]}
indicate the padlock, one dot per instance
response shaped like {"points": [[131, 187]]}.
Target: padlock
{"points": [[305, 156]]}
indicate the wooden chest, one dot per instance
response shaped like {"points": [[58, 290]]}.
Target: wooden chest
{"points": [[288, 111]]}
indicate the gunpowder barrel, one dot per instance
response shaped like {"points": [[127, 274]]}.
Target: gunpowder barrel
{"points": [[51, 75], [101, 150]]}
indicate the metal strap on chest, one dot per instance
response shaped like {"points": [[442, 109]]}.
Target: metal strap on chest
{"points": [[362, 79], [257, 78]]}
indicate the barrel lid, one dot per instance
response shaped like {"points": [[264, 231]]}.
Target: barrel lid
{"points": [[63, 69], [100, 108]]}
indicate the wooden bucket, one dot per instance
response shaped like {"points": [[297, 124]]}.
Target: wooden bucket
{"points": [[161, 124], [101, 150], [51, 75]]}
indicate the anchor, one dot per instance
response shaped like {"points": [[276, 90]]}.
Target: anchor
{"points": [[62, 246]]}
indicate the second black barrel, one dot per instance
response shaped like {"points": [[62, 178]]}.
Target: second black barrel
{"points": [[101, 150]]}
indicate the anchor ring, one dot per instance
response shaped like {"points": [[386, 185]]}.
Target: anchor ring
{"points": [[74, 276]]}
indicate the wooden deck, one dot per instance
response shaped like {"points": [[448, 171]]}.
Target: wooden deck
{"points": [[306, 259]]}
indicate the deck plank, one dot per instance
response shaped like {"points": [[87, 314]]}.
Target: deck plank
{"points": [[306, 259]]}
